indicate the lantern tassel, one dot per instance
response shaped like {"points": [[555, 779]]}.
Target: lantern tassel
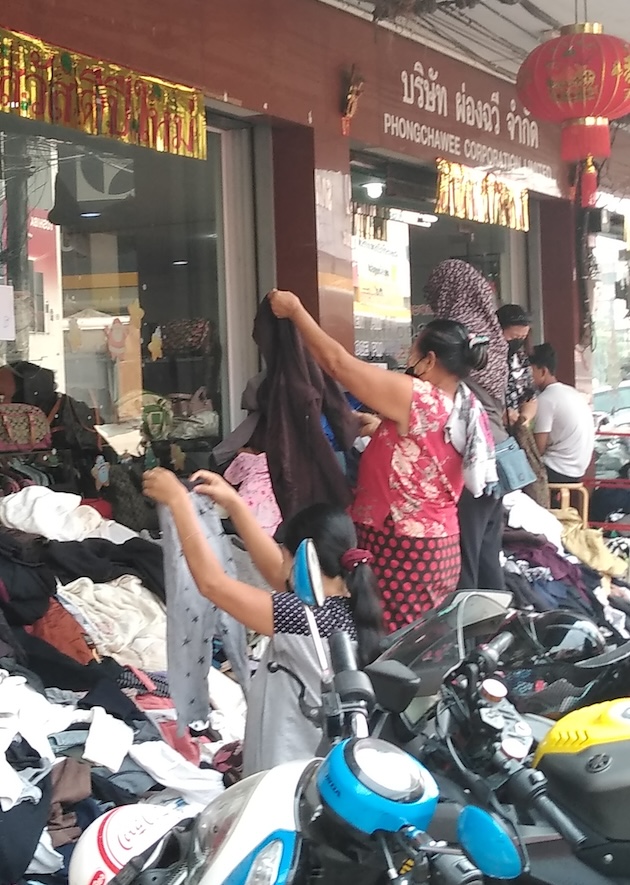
{"points": [[588, 184], [589, 137]]}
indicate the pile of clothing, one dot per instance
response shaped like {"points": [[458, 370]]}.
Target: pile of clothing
{"points": [[88, 719], [552, 562]]}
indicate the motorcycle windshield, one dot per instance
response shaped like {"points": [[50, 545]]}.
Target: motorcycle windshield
{"points": [[440, 640]]}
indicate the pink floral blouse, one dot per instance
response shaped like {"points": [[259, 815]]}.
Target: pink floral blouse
{"points": [[416, 478], [251, 474]]}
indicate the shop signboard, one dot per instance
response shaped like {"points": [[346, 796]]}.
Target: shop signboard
{"points": [[475, 119], [432, 106], [419, 102]]}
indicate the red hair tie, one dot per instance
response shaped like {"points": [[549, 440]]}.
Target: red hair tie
{"points": [[356, 556]]}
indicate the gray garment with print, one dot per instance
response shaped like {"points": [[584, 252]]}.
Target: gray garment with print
{"points": [[276, 730], [494, 410], [192, 621]]}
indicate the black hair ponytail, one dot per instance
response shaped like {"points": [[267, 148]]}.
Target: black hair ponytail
{"points": [[366, 611], [333, 533], [459, 351]]}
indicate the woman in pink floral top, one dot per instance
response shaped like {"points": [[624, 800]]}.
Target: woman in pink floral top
{"points": [[433, 440]]}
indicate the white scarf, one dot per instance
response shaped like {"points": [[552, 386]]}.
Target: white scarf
{"points": [[468, 430]]}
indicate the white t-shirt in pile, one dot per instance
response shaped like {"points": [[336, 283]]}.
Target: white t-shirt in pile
{"points": [[565, 415]]}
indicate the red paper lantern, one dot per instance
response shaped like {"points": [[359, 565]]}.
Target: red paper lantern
{"points": [[580, 79]]}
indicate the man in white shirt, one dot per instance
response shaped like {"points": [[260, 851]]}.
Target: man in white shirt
{"points": [[564, 429]]}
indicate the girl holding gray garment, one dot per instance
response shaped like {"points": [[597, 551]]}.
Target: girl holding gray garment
{"points": [[276, 729]]}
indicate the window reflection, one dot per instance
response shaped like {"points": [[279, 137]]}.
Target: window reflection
{"points": [[112, 259]]}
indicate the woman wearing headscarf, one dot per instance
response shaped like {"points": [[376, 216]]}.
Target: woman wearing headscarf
{"points": [[457, 291], [433, 439], [521, 391]]}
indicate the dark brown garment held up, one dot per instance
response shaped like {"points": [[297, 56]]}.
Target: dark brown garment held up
{"points": [[303, 467]]}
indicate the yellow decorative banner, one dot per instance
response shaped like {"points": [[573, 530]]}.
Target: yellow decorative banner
{"points": [[467, 193], [52, 85]]}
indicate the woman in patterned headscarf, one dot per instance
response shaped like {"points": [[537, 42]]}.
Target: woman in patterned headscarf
{"points": [[457, 291]]}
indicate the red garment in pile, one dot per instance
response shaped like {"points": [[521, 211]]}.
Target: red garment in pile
{"points": [[59, 629]]}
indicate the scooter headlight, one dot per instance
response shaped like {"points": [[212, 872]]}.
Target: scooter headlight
{"points": [[214, 825], [264, 870], [372, 785], [385, 770]]}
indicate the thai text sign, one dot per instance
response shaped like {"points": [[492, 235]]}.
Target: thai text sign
{"points": [[47, 84], [478, 196], [475, 120]]}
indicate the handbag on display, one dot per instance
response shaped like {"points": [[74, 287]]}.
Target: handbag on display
{"points": [[181, 337], [198, 426], [129, 506], [73, 425], [23, 428], [513, 468], [200, 421], [157, 417]]}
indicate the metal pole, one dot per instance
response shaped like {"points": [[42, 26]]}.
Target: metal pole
{"points": [[17, 166]]}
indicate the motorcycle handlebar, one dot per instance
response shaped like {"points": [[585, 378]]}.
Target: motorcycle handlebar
{"points": [[342, 654], [497, 647], [453, 870], [557, 819]]}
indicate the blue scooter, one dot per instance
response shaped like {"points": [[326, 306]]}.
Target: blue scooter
{"points": [[361, 813]]}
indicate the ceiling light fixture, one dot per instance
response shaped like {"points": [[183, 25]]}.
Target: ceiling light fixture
{"points": [[90, 215], [416, 219], [374, 189], [179, 263]]}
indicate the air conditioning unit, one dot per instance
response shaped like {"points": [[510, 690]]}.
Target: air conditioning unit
{"points": [[609, 224]]}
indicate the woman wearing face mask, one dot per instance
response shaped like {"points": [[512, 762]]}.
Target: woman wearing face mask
{"points": [[520, 397], [433, 439], [457, 291]]}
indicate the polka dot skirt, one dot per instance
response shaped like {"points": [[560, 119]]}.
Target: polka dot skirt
{"points": [[414, 574]]}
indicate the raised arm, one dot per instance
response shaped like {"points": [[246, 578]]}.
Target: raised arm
{"points": [[387, 393], [265, 553], [251, 606]]}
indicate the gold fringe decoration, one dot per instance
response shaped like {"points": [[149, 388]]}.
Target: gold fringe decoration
{"points": [[465, 193], [48, 84]]}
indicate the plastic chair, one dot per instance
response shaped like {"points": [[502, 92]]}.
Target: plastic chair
{"points": [[565, 491]]}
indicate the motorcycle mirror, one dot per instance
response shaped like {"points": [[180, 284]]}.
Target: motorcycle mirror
{"points": [[487, 844], [306, 576], [395, 685]]}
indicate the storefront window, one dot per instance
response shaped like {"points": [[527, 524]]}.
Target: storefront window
{"points": [[110, 270], [393, 258], [611, 351], [609, 287], [399, 239], [382, 293], [611, 368]]}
